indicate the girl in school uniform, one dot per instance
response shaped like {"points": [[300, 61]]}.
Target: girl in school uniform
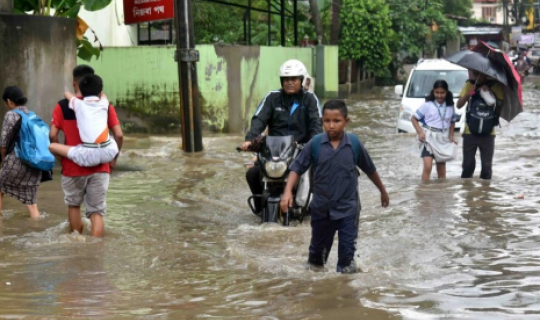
{"points": [[434, 122]]}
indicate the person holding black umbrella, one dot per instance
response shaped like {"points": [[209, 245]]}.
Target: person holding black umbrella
{"points": [[485, 98]]}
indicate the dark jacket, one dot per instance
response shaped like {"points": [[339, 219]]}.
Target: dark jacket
{"points": [[275, 111]]}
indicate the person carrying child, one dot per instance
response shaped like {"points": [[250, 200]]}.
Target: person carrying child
{"points": [[80, 184], [92, 116], [434, 122], [335, 156]]}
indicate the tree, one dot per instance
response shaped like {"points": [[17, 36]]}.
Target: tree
{"points": [[462, 8], [365, 34], [66, 9], [419, 28], [212, 25], [334, 25], [316, 17]]}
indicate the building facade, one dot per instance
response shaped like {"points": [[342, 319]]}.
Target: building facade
{"points": [[488, 10]]}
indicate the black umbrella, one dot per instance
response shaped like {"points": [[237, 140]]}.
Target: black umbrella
{"points": [[513, 100], [476, 61]]}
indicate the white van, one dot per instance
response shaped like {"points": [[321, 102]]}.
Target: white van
{"points": [[420, 84]]}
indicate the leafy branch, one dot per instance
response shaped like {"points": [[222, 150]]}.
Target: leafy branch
{"points": [[67, 9]]}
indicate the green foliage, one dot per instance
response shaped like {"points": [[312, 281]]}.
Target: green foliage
{"points": [[326, 17], [212, 25], [65, 9], [419, 28], [95, 5], [365, 34], [462, 8], [85, 50]]}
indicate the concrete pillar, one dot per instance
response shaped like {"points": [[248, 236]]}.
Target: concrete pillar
{"points": [[326, 65], [37, 54], [6, 6]]}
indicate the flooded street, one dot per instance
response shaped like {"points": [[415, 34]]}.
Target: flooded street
{"points": [[181, 242]]}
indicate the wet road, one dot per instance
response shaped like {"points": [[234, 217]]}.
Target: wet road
{"points": [[181, 243]]}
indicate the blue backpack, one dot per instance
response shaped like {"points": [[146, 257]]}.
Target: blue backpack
{"points": [[33, 144], [316, 148]]}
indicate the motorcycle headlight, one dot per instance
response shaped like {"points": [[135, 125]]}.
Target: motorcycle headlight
{"points": [[275, 169]]}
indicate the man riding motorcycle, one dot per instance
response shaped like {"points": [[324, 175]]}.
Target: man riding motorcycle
{"points": [[288, 111]]}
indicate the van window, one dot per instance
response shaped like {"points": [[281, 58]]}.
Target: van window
{"points": [[422, 81]]}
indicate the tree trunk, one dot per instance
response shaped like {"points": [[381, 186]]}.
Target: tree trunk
{"points": [[357, 77], [349, 74], [334, 25], [316, 16], [6, 6]]}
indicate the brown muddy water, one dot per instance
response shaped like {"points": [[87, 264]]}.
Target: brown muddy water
{"points": [[181, 243]]}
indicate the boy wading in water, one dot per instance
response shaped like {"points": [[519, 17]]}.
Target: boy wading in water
{"points": [[334, 156]]}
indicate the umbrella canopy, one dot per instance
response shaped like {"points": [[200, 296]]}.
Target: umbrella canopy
{"points": [[513, 100], [479, 62]]}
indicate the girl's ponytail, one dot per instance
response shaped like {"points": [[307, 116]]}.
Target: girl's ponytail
{"points": [[449, 98]]}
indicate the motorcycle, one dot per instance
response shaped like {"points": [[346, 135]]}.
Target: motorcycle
{"points": [[274, 156]]}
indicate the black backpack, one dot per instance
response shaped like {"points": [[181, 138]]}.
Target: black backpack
{"points": [[481, 118]]}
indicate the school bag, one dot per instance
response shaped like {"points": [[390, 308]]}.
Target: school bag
{"points": [[481, 118], [32, 146], [316, 148]]}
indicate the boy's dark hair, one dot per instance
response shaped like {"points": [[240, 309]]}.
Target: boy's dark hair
{"points": [[90, 85], [336, 105], [81, 71], [444, 85]]}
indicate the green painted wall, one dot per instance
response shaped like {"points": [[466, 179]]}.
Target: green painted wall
{"points": [[331, 72], [142, 82], [327, 66]]}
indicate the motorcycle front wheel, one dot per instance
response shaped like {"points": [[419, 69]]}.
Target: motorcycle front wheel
{"points": [[271, 212]]}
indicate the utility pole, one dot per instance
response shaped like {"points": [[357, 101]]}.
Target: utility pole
{"points": [[6, 6], [424, 46], [187, 56]]}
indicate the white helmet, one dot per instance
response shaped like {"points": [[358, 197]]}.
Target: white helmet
{"points": [[292, 68]]}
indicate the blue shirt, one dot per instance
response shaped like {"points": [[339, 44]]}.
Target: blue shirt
{"points": [[335, 180]]}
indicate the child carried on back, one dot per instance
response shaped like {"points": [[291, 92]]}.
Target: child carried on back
{"points": [[92, 114]]}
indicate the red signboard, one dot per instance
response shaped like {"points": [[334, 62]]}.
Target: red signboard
{"points": [[137, 11]]}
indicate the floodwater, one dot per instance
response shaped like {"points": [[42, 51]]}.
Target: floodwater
{"points": [[181, 243]]}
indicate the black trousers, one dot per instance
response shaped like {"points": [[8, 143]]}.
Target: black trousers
{"points": [[253, 177], [471, 143], [322, 238]]}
